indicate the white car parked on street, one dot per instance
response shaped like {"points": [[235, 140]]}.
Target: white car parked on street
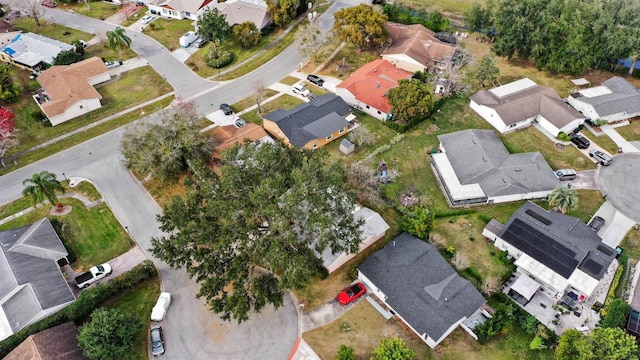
{"points": [[161, 307]]}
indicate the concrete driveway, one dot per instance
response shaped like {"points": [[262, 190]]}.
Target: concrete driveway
{"points": [[620, 182], [616, 224]]}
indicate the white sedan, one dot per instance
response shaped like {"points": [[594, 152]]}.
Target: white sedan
{"points": [[146, 19], [161, 307]]}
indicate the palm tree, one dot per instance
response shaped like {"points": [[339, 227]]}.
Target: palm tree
{"points": [[41, 186], [563, 198], [118, 39]]}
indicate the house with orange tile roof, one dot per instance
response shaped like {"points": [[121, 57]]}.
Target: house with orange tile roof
{"points": [[67, 90], [228, 136], [415, 48], [366, 88]]}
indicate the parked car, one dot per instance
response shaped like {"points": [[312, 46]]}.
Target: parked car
{"points": [[315, 79], [147, 19], [580, 141], [597, 223], [240, 123], [600, 157], [566, 174], [300, 89], [226, 109], [111, 64], [200, 43], [162, 305], [157, 340], [351, 293], [49, 4]]}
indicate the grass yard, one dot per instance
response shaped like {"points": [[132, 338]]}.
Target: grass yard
{"points": [[289, 80], [631, 243], [630, 132], [168, 31], [54, 31], [282, 102], [447, 7], [604, 141], [164, 192], [99, 10], [250, 101]]}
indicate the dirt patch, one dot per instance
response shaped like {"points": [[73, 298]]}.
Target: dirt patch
{"points": [[431, 129]]}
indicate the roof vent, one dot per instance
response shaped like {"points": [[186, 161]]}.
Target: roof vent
{"points": [[378, 85]]}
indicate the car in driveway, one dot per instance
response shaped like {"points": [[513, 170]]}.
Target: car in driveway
{"points": [[200, 43], [566, 174], [351, 293], [300, 89], [580, 141], [226, 109], [315, 79], [157, 340], [240, 123], [596, 223], [162, 305], [111, 64], [147, 19], [600, 157]]}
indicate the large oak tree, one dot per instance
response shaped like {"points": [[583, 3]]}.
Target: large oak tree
{"points": [[411, 99], [256, 230], [362, 26]]}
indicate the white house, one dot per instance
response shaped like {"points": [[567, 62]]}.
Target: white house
{"points": [[180, 9], [517, 104], [67, 90], [616, 99], [32, 51]]}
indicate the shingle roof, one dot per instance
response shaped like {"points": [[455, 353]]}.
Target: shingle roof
{"points": [[228, 136], [421, 286], [624, 97], [56, 343], [190, 6], [239, 11], [560, 242], [478, 156], [370, 83], [68, 84], [419, 43], [316, 119]]}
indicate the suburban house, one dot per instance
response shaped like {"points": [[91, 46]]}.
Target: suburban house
{"points": [[67, 90], [416, 48], [7, 33], [366, 88], [520, 103], [32, 51], [239, 11], [228, 136], [616, 99], [179, 9], [373, 229], [419, 286], [32, 286], [557, 256], [56, 343], [475, 167], [310, 125]]}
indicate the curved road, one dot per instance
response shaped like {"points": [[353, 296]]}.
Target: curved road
{"points": [[192, 331]]}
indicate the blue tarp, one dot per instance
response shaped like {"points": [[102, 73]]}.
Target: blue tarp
{"points": [[627, 63]]}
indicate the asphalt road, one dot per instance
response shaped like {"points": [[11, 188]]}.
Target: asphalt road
{"points": [[191, 330], [619, 183]]}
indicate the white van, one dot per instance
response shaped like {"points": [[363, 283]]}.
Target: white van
{"points": [[188, 39]]}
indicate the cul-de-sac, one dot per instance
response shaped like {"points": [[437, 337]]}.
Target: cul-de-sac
{"points": [[322, 179]]}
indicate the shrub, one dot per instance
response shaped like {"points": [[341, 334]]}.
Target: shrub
{"points": [[402, 128], [472, 273], [219, 57], [345, 353]]}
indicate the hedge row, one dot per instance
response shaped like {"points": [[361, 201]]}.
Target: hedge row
{"points": [[87, 302]]}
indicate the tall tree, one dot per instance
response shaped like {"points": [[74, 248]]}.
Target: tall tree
{"points": [[246, 34], [411, 99], [602, 343], [212, 25], [33, 9], [615, 314], [477, 18], [310, 41], [8, 137], [260, 91], [272, 207], [67, 57], [392, 349], [282, 11], [163, 149], [9, 91], [487, 70], [42, 185], [361, 26], [563, 198], [118, 39], [109, 335]]}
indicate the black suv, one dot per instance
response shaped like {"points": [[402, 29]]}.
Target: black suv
{"points": [[226, 109], [315, 79], [580, 141], [596, 223]]}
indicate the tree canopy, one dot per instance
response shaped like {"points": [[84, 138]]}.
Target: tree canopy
{"points": [[487, 70], [393, 349], [246, 34], [402, 14], [9, 91], [602, 343], [118, 39], [362, 26], [411, 99], [163, 149], [8, 137], [282, 11], [615, 314], [273, 208], [109, 335], [42, 186], [212, 25], [67, 57], [563, 198]]}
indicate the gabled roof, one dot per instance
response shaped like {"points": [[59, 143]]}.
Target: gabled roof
{"points": [[523, 99], [30, 278], [30, 49], [56, 343], [190, 6], [228, 136], [239, 11], [421, 286], [618, 96], [370, 83], [478, 156], [560, 242], [316, 119], [419, 43], [68, 84]]}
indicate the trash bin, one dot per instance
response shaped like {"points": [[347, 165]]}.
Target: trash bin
{"points": [[120, 61]]}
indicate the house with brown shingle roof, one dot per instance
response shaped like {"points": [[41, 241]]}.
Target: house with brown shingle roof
{"points": [[67, 90], [518, 104], [415, 48], [228, 136], [366, 88], [56, 343]]}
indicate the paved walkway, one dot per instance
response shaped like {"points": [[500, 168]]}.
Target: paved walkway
{"points": [[626, 146]]}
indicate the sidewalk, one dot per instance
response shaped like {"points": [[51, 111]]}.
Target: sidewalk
{"points": [[618, 139]]}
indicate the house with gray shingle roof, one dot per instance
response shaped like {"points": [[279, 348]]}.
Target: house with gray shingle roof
{"points": [[32, 286], [475, 167], [518, 104], [616, 99], [56, 343], [420, 287], [310, 125], [240, 11]]}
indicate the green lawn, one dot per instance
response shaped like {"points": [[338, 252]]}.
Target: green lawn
{"points": [[250, 101], [93, 235], [289, 80], [54, 31], [97, 9], [168, 31], [630, 132], [604, 141], [283, 102]]}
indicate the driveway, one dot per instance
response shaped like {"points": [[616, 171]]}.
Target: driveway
{"points": [[616, 224], [619, 184]]}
